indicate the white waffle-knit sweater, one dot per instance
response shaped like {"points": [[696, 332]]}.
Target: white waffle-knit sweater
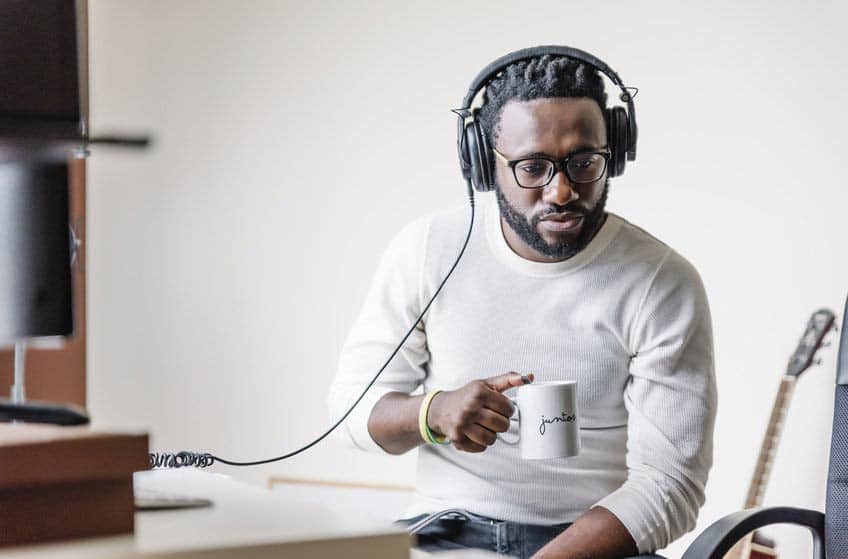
{"points": [[627, 318]]}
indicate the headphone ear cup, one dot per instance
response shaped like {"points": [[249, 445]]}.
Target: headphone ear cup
{"points": [[462, 149], [617, 140], [473, 155], [487, 166], [479, 155]]}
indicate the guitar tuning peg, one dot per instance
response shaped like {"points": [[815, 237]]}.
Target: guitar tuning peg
{"points": [[827, 344], [817, 361]]}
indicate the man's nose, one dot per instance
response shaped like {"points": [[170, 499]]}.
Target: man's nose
{"points": [[560, 191]]}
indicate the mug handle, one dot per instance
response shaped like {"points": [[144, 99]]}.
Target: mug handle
{"points": [[516, 416]]}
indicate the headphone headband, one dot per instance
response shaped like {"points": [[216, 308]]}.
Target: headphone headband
{"points": [[498, 65]]}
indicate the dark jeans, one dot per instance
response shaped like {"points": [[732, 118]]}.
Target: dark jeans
{"points": [[462, 530]]}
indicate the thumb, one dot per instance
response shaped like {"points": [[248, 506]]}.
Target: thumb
{"points": [[508, 380]]}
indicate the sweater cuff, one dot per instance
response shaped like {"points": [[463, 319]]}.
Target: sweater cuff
{"points": [[357, 422], [630, 511]]}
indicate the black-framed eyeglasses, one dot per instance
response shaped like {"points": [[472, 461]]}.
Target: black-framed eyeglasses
{"points": [[538, 171]]}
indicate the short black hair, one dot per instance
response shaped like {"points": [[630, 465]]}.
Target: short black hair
{"points": [[537, 78]]}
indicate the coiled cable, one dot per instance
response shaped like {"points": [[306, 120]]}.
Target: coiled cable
{"points": [[204, 459]]}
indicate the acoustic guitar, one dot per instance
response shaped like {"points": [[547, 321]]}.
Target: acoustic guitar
{"points": [[754, 545]]}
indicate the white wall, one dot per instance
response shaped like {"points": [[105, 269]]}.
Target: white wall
{"points": [[292, 139]]}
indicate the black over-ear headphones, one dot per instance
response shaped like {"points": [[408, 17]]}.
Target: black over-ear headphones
{"points": [[475, 155]]}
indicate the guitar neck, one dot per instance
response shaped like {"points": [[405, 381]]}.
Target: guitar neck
{"points": [[770, 442]]}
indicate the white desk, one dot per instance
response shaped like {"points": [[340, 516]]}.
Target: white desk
{"points": [[245, 522]]}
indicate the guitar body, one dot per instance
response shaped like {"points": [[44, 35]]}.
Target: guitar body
{"points": [[748, 548], [761, 547], [761, 552]]}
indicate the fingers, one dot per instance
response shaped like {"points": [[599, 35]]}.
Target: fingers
{"points": [[480, 395], [480, 435], [507, 381], [493, 421], [499, 404], [467, 445]]}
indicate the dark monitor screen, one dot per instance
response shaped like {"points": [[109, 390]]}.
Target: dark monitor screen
{"points": [[39, 69]]}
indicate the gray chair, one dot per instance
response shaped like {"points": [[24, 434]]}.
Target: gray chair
{"points": [[829, 530]]}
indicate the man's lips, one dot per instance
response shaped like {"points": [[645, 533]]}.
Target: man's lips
{"points": [[563, 216], [564, 221]]}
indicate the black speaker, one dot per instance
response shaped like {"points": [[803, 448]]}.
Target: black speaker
{"points": [[35, 251]]}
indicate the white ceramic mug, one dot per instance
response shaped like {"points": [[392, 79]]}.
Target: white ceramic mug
{"points": [[548, 420]]}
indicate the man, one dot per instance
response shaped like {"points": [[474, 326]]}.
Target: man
{"points": [[554, 285]]}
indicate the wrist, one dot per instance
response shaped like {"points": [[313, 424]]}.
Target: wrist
{"points": [[434, 414], [427, 434]]}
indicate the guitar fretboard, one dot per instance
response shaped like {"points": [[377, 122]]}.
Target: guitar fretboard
{"points": [[770, 442]]}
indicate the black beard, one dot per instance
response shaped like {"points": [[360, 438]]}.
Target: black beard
{"points": [[525, 229]]}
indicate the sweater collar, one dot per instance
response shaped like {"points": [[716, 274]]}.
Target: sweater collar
{"points": [[505, 254]]}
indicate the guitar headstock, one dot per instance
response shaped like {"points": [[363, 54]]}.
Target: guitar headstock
{"points": [[821, 322]]}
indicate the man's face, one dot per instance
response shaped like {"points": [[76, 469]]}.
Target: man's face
{"points": [[548, 223]]}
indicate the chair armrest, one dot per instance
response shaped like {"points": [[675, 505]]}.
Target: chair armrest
{"points": [[719, 537]]}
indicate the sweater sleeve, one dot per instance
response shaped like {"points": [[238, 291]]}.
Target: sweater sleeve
{"points": [[671, 402], [391, 306]]}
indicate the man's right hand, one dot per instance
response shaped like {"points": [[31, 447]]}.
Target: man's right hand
{"points": [[473, 415]]}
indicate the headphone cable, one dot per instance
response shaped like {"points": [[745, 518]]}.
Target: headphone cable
{"points": [[205, 459]]}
